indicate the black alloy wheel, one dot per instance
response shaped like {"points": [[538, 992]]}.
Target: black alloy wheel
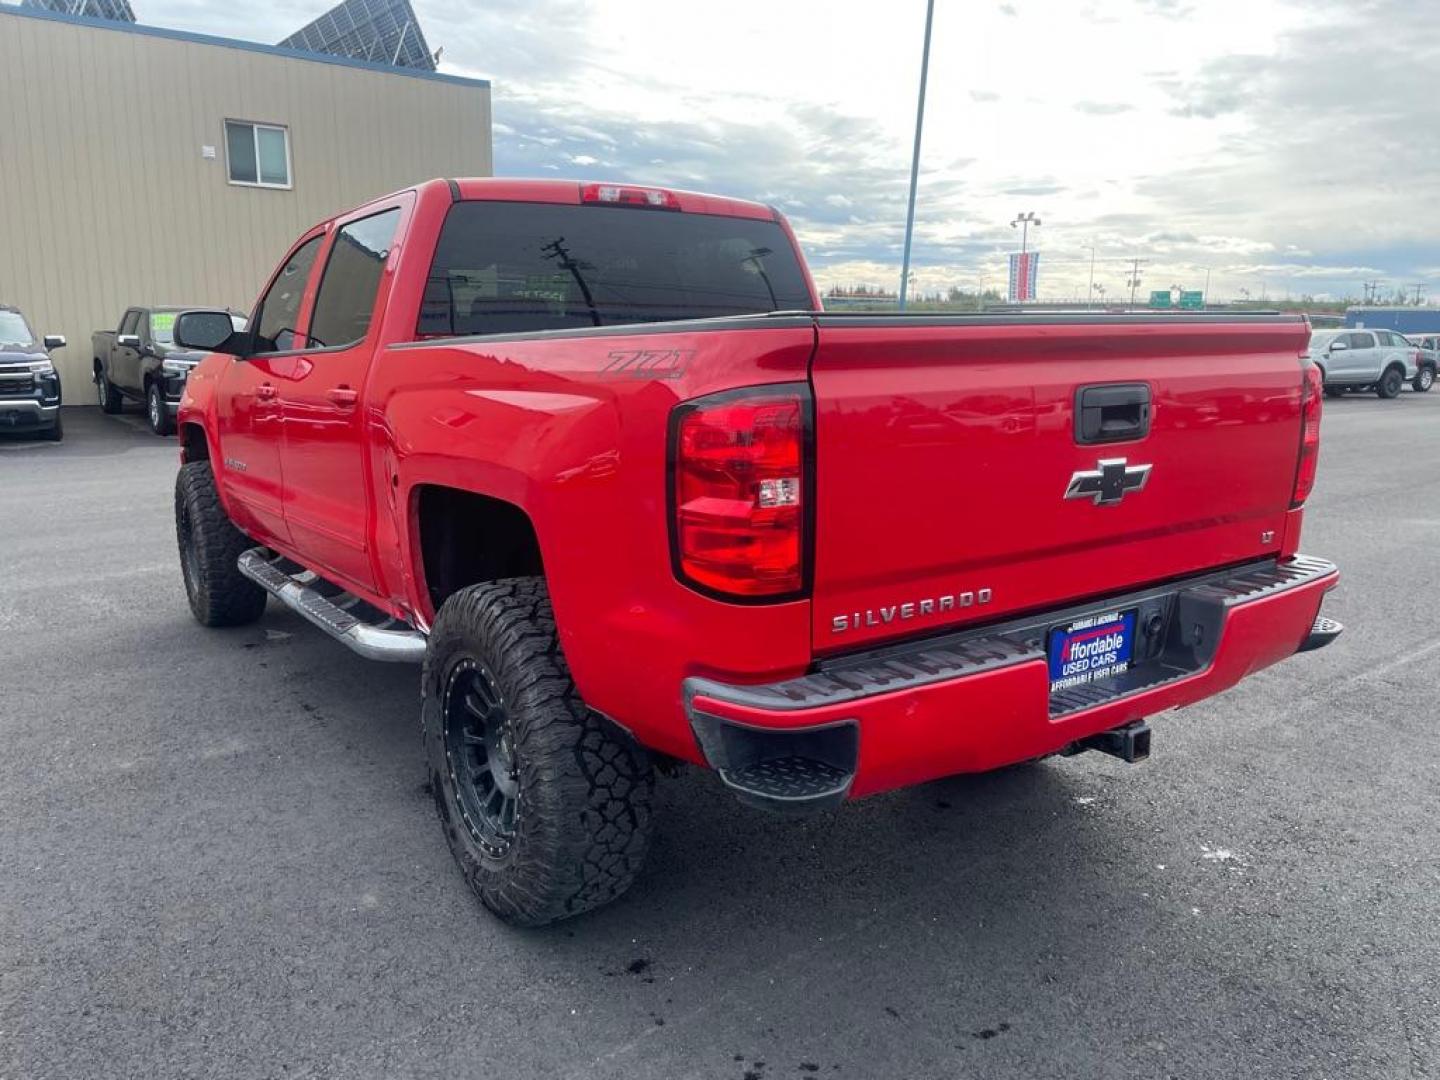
{"points": [[480, 750]]}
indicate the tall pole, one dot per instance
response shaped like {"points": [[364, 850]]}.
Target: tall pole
{"points": [[1090, 292], [915, 158]]}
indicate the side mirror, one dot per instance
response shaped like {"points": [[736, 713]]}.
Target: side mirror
{"points": [[54, 341], [1337, 346], [205, 330], [128, 341]]}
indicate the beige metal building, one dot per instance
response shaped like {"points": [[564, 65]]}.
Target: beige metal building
{"points": [[145, 166]]}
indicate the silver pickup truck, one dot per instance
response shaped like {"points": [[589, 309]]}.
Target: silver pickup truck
{"points": [[1378, 360]]}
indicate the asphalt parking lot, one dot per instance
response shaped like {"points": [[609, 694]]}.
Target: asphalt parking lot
{"points": [[217, 858]]}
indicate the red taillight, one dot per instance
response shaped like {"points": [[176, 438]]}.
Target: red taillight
{"points": [[739, 475], [627, 195], [1311, 394]]}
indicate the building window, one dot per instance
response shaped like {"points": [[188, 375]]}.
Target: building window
{"points": [[257, 154]]}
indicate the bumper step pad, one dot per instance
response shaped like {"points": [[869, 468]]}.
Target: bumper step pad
{"points": [[1321, 634], [788, 779]]}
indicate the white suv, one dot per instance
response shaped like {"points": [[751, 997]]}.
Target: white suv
{"points": [[1379, 360]]}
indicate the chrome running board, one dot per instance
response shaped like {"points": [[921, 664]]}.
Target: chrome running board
{"points": [[388, 639]]}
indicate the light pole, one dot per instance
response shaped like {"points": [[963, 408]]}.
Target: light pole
{"points": [[1090, 292], [1025, 220], [915, 157]]}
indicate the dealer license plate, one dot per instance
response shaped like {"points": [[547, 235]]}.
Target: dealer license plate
{"points": [[1093, 648]]}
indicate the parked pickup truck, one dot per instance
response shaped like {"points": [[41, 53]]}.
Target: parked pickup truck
{"points": [[594, 455], [139, 360], [29, 383], [1379, 360]]}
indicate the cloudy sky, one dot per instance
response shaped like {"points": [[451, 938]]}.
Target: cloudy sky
{"points": [[1283, 146]]}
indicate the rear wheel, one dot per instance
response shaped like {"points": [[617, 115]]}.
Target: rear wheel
{"points": [[1390, 383], [1424, 380], [155, 411], [110, 399], [209, 547], [544, 803]]}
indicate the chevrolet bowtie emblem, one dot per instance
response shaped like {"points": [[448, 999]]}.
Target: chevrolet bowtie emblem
{"points": [[1108, 482]]}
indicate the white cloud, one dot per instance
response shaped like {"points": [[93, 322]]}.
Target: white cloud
{"points": [[1219, 137]]}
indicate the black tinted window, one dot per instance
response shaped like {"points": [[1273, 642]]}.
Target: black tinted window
{"points": [[352, 277], [280, 306], [516, 267]]}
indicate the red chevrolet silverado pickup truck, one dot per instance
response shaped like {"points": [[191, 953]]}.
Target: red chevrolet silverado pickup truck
{"points": [[596, 457]]}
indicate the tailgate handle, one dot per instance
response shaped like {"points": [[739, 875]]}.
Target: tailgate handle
{"points": [[1112, 413]]}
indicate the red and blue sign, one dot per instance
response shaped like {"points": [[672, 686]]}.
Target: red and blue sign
{"points": [[1090, 649]]}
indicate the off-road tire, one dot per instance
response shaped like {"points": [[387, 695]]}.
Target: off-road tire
{"points": [[110, 399], [209, 547], [1424, 380], [1390, 383], [582, 810], [159, 418]]}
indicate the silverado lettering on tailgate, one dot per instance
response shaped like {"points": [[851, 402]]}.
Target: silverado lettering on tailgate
{"points": [[931, 605]]}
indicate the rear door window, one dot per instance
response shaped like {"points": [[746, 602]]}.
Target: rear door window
{"points": [[130, 322], [1362, 341], [346, 298], [504, 267]]}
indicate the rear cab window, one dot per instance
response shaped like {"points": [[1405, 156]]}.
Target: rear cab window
{"points": [[507, 267]]}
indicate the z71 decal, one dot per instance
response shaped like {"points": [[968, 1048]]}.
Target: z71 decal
{"points": [[648, 363]]}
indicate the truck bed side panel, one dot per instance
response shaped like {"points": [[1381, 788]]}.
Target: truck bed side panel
{"points": [[571, 428]]}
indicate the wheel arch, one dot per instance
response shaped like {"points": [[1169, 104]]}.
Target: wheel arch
{"points": [[194, 445], [461, 537]]}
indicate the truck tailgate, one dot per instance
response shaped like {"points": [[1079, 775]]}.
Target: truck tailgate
{"points": [[945, 449]]}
